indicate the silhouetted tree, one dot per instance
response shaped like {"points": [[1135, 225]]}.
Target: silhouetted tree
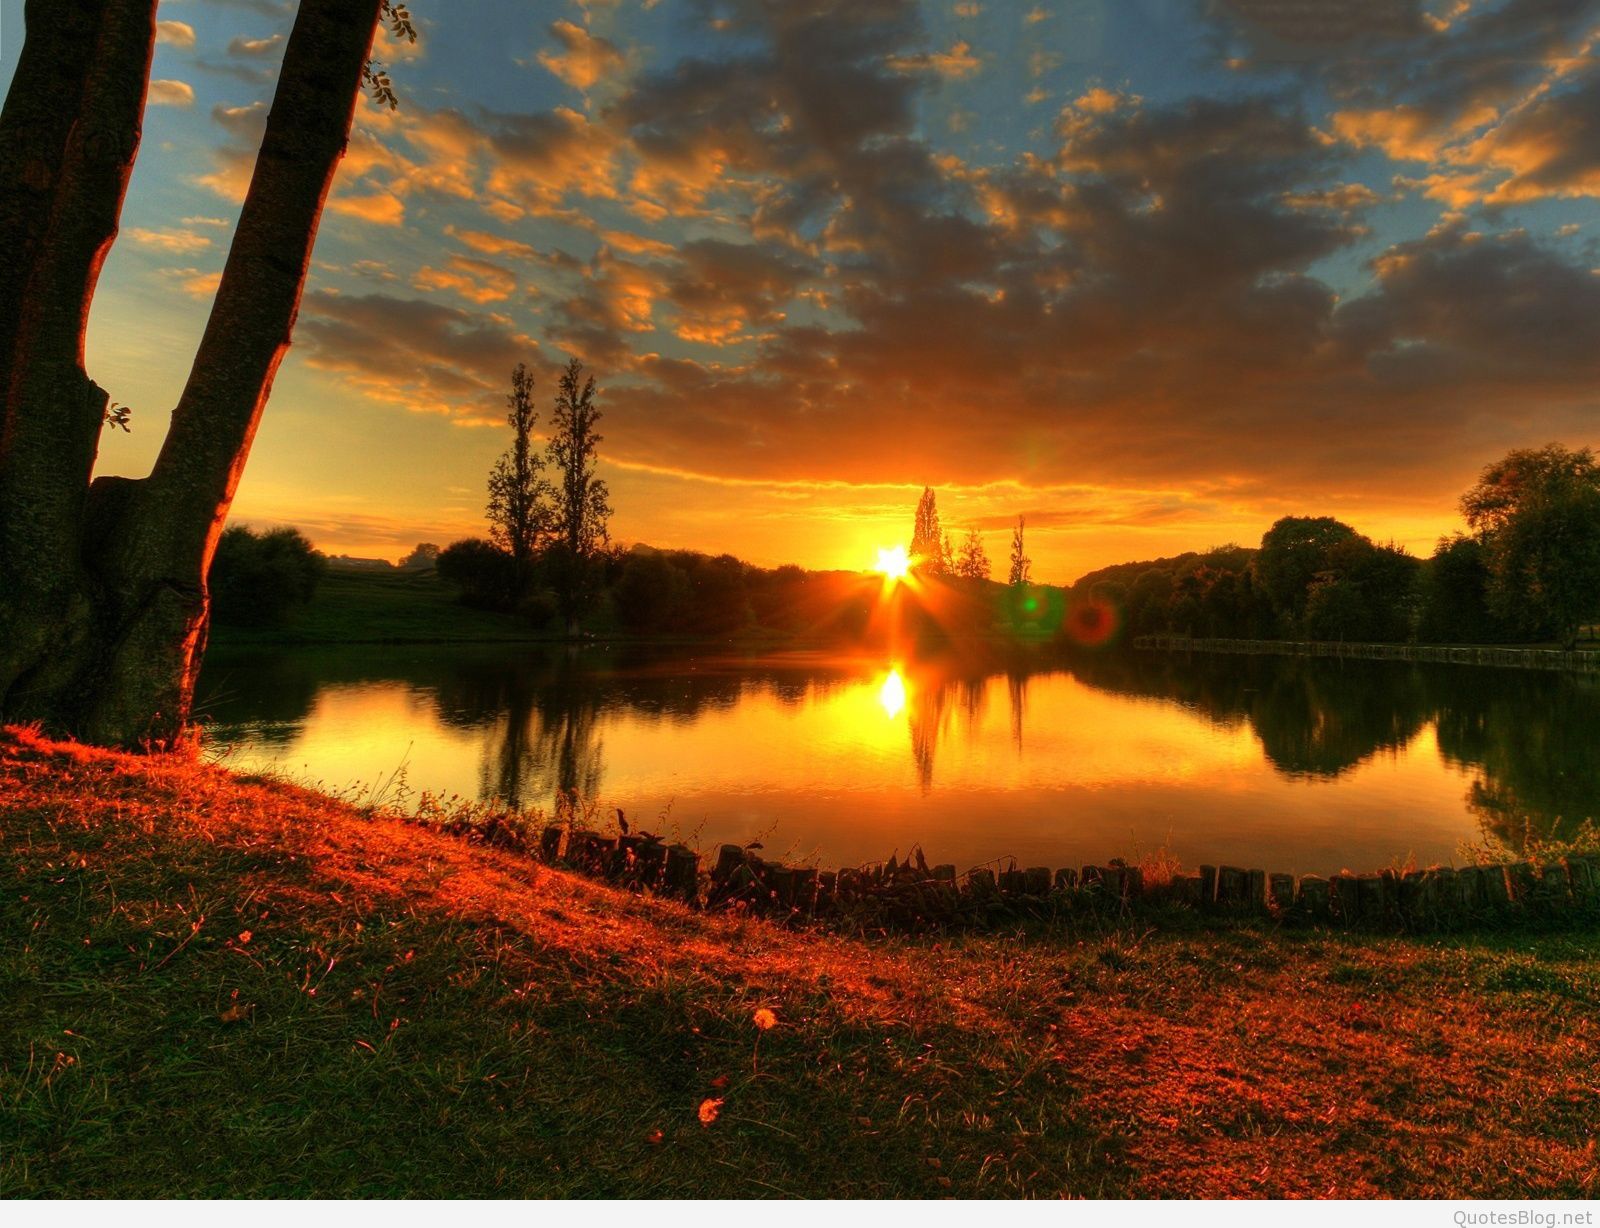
{"points": [[930, 547], [1021, 564], [103, 598], [519, 497], [1292, 552], [481, 572], [581, 508], [258, 578], [423, 554], [1455, 594], [1537, 513], [973, 561]]}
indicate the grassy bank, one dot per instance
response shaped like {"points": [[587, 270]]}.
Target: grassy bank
{"points": [[217, 985], [399, 607]]}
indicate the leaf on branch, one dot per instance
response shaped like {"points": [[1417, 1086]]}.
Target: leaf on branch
{"points": [[118, 415], [375, 79], [399, 19]]}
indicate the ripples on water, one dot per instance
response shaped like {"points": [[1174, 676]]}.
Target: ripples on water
{"points": [[1301, 765]]}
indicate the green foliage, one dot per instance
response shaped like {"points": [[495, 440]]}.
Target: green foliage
{"points": [[1292, 552], [257, 579], [1537, 513], [1455, 595], [483, 573]]}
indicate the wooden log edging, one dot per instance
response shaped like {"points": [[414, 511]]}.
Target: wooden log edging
{"points": [[1576, 661], [910, 895]]}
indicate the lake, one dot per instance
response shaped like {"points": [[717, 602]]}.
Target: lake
{"points": [[1308, 766]]}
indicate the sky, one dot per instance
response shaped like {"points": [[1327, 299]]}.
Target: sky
{"points": [[1150, 273]]}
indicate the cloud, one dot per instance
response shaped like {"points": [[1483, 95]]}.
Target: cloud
{"points": [[169, 240], [476, 280], [584, 58], [255, 48], [956, 64], [380, 208], [493, 245], [419, 355], [1551, 147], [175, 33], [167, 93]]}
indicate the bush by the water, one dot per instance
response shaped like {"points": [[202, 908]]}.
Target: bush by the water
{"points": [[258, 579]]}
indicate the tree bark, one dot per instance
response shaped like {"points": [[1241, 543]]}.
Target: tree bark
{"points": [[107, 645]]}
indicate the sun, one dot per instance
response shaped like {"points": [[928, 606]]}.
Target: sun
{"points": [[894, 562]]}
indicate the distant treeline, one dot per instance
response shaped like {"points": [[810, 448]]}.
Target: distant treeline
{"points": [[681, 593], [1528, 569]]}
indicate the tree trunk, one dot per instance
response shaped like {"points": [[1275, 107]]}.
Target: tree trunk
{"points": [[104, 612]]}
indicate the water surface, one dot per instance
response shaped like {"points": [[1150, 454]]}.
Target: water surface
{"points": [[1300, 765]]}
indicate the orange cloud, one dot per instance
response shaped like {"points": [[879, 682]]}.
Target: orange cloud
{"points": [[478, 281], [584, 58], [167, 93]]}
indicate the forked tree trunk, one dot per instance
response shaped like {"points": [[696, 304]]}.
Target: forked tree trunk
{"points": [[103, 604]]}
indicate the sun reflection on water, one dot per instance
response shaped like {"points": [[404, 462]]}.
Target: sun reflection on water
{"points": [[892, 694]]}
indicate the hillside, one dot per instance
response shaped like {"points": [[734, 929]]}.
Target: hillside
{"points": [[213, 985]]}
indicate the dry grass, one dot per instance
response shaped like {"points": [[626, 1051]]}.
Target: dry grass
{"points": [[213, 985]]}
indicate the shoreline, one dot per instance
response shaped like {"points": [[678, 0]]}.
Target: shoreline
{"points": [[1578, 660]]}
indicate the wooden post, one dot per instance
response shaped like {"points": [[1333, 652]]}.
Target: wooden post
{"points": [[1342, 896], [805, 888], [729, 858], [1066, 879], [1280, 889], [1232, 884], [980, 883], [627, 851], [550, 843], [1553, 889], [1523, 883], [1585, 887], [1208, 886], [1256, 890], [1411, 896], [1132, 882], [1315, 897], [1369, 900], [683, 873], [781, 880], [1496, 891], [1038, 880], [651, 861]]}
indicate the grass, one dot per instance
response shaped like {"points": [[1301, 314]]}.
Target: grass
{"points": [[401, 607], [214, 985]]}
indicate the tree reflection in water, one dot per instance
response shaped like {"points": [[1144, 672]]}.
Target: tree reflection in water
{"points": [[1528, 738]]}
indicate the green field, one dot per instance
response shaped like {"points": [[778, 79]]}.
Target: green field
{"points": [[399, 607]]}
